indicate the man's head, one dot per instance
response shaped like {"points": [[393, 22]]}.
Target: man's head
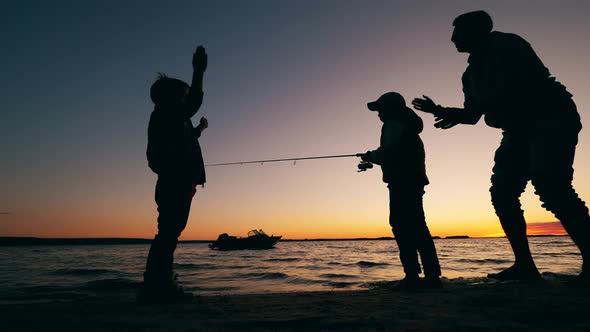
{"points": [[168, 92], [471, 29]]}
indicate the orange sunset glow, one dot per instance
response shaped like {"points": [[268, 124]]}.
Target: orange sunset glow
{"points": [[293, 83]]}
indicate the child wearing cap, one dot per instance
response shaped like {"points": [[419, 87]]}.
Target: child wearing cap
{"points": [[401, 157]]}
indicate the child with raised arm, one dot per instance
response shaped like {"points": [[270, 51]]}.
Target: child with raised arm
{"points": [[174, 154]]}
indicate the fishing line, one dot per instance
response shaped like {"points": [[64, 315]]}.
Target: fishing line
{"points": [[285, 159]]}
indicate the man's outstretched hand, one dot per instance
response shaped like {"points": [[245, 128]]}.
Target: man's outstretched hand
{"points": [[444, 123], [200, 59], [427, 105], [424, 104]]}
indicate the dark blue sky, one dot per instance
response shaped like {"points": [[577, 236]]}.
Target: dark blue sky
{"points": [[285, 78]]}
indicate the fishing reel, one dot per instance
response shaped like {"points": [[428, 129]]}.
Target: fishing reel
{"points": [[364, 165]]}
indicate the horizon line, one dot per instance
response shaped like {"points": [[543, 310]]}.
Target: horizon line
{"points": [[450, 237]]}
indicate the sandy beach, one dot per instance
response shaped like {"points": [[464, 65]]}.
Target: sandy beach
{"points": [[463, 305]]}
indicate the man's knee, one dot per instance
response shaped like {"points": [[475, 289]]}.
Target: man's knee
{"points": [[558, 196], [505, 197], [394, 223]]}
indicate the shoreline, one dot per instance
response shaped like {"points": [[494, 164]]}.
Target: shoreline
{"points": [[470, 305]]}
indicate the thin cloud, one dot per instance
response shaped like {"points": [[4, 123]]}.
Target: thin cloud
{"points": [[545, 228]]}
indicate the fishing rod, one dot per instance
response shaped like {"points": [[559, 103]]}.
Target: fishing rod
{"points": [[361, 169]]}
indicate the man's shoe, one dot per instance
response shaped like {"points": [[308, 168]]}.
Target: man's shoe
{"points": [[517, 273], [581, 280]]}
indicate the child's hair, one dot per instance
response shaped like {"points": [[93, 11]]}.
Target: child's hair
{"points": [[166, 90]]}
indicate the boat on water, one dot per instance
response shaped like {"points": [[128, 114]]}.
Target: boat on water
{"points": [[256, 239]]}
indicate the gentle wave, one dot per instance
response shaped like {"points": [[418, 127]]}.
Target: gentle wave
{"points": [[561, 254], [557, 277], [269, 275], [207, 266], [389, 284], [337, 276], [340, 284], [45, 289], [314, 267], [43, 293], [337, 247], [53, 297], [83, 272], [370, 264], [291, 267], [183, 266], [485, 260], [289, 259], [305, 281], [213, 289], [111, 284]]}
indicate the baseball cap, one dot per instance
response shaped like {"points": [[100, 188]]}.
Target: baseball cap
{"points": [[389, 100]]}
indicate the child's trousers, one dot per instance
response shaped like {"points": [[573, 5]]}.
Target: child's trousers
{"points": [[174, 197], [408, 223]]}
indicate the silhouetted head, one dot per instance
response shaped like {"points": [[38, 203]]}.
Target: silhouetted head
{"points": [[168, 92], [391, 106], [471, 29]]}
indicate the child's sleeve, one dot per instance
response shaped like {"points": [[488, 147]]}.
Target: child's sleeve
{"points": [[163, 151], [390, 137], [196, 100]]}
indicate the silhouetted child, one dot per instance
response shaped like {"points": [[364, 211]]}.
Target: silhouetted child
{"points": [[401, 157], [174, 154]]}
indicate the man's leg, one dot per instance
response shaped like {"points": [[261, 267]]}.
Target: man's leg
{"points": [[509, 179], [552, 156], [400, 219]]}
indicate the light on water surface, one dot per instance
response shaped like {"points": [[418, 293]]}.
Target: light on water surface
{"points": [[62, 272]]}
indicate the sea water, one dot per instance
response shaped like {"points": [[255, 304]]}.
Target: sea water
{"points": [[52, 273]]}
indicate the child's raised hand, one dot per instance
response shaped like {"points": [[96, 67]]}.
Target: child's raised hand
{"points": [[203, 123], [200, 59]]}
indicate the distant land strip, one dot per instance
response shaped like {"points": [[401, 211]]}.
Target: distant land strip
{"points": [[36, 241]]}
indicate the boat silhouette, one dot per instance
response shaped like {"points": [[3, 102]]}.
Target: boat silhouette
{"points": [[256, 239]]}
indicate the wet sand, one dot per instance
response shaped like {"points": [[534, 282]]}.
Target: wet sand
{"points": [[461, 306]]}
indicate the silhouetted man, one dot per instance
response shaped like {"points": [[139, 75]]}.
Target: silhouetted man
{"points": [[401, 156], [507, 83], [174, 154]]}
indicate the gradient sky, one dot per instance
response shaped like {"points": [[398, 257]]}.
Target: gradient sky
{"points": [[285, 79]]}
